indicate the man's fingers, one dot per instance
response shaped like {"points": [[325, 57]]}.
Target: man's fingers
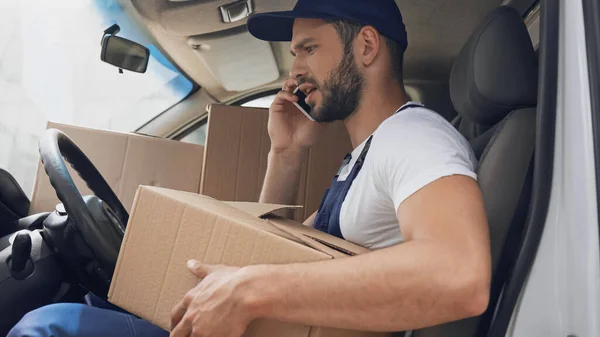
{"points": [[183, 329], [288, 96], [201, 270], [177, 314], [289, 85], [198, 268], [281, 100]]}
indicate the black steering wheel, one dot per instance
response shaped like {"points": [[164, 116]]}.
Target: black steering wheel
{"points": [[89, 230]]}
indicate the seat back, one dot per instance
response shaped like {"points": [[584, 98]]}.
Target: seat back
{"points": [[14, 204], [493, 86]]}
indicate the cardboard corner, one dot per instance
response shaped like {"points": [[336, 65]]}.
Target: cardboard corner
{"points": [[122, 249]]}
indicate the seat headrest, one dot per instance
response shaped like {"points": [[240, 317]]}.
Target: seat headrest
{"points": [[496, 71]]}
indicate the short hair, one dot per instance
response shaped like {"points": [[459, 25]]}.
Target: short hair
{"points": [[348, 31]]}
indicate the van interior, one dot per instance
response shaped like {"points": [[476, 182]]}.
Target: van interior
{"points": [[473, 61]]}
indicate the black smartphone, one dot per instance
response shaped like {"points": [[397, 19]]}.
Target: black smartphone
{"points": [[301, 104]]}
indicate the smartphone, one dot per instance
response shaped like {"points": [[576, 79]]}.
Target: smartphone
{"points": [[301, 104]]}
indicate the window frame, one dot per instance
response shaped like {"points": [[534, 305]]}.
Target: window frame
{"points": [[193, 128], [591, 22]]}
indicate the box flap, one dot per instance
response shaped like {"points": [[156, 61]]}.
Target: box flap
{"points": [[240, 210], [323, 242], [262, 210], [326, 243]]}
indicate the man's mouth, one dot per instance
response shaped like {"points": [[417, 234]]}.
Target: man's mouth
{"points": [[309, 96], [307, 89], [310, 91]]}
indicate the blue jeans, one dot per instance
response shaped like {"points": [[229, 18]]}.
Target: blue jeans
{"points": [[95, 319]]}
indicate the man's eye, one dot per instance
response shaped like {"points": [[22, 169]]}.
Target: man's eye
{"points": [[310, 49]]}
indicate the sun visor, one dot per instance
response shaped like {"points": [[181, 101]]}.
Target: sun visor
{"points": [[198, 17], [238, 61]]}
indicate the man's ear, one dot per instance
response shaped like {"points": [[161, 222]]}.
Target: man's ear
{"points": [[369, 45]]}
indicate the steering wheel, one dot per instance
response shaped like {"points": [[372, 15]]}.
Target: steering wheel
{"points": [[88, 231]]}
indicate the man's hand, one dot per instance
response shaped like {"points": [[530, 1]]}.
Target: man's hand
{"points": [[215, 307], [288, 128], [291, 134]]}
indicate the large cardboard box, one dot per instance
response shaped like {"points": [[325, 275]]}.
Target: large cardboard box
{"points": [[235, 158], [169, 227], [230, 167], [126, 161]]}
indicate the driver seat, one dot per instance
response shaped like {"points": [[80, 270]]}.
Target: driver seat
{"points": [[14, 204], [493, 86]]}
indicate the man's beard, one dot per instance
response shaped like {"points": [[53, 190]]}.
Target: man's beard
{"points": [[342, 92]]}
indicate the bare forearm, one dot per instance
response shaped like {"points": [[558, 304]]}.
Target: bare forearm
{"points": [[407, 287], [282, 177]]}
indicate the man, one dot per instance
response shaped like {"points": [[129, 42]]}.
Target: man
{"points": [[407, 191]]}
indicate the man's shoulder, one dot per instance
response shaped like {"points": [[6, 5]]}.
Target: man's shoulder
{"points": [[415, 147], [417, 127]]}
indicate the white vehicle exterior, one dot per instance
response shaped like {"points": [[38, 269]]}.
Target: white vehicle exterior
{"points": [[562, 293]]}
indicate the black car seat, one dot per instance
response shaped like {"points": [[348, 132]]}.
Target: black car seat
{"points": [[480, 127], [14, 204], [493, 86]]}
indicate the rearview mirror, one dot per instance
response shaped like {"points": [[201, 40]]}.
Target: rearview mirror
{"points": [[125, 54]]}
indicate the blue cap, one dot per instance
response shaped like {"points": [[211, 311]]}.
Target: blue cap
{"points": [[384, 15]]}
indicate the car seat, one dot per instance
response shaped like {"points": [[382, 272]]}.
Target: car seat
{"points": [[493, 86], [14, 204]]}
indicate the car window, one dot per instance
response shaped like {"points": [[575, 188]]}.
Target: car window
{"points": [[50, 69], [532, 20], [262, 102], [198, 134]]}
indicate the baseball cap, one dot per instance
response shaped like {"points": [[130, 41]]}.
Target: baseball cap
{"points": [[384, 15]]}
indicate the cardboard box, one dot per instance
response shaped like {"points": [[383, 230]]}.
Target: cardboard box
{"points": [[169, 227], [125, 161], [235, 158], [230, 167]]}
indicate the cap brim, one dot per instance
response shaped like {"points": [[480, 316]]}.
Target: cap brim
{"points": [[277, 26]]}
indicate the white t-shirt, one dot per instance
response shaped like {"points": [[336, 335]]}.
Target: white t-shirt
{"points": [[409, 150]]}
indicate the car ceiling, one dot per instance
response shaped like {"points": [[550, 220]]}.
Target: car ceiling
{"points": [[230, 64]]}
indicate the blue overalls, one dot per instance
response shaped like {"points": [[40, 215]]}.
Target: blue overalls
{"points": [[328, 215]]}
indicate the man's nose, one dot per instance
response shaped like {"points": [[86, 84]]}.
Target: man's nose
{"points": [[298, 69]]}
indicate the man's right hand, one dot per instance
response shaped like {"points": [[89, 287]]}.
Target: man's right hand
{"points": [[292, 134], [289, 129]]}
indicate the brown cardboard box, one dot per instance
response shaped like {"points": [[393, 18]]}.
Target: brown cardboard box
{"points": [[169, 227], [230, 167], [235, 159], [125, 161]]}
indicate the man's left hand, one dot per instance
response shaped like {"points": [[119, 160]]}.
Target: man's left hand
{"points": [[215, 307]]}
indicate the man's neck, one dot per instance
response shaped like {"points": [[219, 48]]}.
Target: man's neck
{"points": [[375, 107]]}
